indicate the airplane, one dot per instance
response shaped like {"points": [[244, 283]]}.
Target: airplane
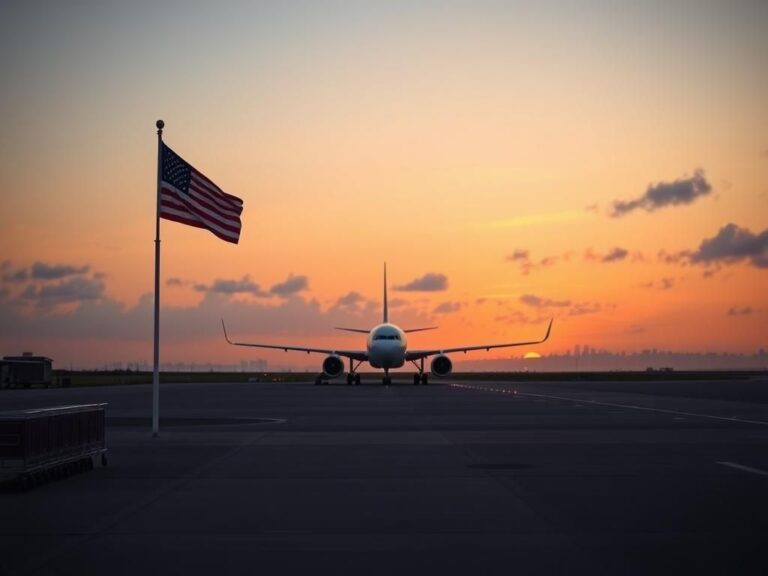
{"points": [[386, 348]]}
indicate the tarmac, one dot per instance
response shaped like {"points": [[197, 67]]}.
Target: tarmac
{"points": [[458, 477]]}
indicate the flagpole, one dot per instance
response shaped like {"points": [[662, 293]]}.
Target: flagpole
{"points": [[156, 366]]}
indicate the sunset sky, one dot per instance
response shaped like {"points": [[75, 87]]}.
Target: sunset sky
{"points": [[602, 163]]}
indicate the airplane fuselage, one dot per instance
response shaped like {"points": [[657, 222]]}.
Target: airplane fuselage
{"points": [[386, 346]]}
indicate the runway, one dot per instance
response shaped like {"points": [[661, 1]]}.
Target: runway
{"points": [[458, 477]]}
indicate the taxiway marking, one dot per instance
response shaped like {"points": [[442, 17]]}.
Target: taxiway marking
{"points": [[743, 468], [627, 406]]}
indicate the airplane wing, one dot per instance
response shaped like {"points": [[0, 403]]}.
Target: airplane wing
{"points": [[361, 355], [418, 354]]}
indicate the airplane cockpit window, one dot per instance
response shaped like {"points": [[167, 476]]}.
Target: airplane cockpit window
{"points": [[386, 336]]}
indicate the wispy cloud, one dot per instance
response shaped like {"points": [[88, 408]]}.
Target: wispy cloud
{"points": [[663, 284], [350, 299], [583, 308], [519, 255], [68, 291], [539, 302], [447, 308], [16, 276], [43, 271], [526, 264], [740, 311], [292, 285], [430, 282], [225, 286], [615, 255], [681, 191]]}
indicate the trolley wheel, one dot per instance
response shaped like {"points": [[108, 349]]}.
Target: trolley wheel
{"points": [[104, 461]]}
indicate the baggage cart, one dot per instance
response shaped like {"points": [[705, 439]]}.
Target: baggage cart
{"points": [[48, 443]]}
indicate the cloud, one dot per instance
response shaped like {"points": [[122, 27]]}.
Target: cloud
{"points": [[538, 302], [740, 311], [573, 308], [682, 191], [290, 286], [350, 299], [74, 290], [20, 275], [518, 255], [526, 265], [673, 257], [733, 244], [223, 286], [43, 271], [447, 308], [40, 271], [580, 309], [269, 320], [398, 302], [430, 282], [246, 285], [615, 255], [663, 284]]}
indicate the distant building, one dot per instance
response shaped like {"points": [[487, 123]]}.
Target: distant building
{"points": [[25, 370]]}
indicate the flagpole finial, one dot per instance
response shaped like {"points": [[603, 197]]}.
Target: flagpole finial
{"points": [[160, 125]]}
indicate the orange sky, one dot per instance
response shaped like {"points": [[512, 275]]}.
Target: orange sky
{"points": [[439, 137]]}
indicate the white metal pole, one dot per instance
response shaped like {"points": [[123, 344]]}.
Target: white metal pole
{"points": [[156, 367]]}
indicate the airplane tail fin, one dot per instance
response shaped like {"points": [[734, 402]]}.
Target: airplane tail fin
{"points": [[386, 309]]}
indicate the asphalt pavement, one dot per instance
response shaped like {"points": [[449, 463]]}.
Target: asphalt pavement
{"points": [[458, 477]]}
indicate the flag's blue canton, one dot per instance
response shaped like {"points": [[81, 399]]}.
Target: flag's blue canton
{"points": [[175, 171]]}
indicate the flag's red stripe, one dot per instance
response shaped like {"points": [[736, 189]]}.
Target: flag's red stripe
{"points": [[199, 209], [204, 200], [182, 220], [214, 193], [190, 219], [203, 209], [172, 207], [234, 199], [209, 219]]}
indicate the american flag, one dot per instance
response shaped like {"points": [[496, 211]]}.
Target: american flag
{"points": [[188, 197]]}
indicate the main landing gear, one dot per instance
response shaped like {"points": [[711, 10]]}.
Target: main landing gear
{"points": [[353, 379], [352, 376], [420, 377]]}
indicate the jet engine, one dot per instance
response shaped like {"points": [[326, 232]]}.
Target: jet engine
{"points": [[333, 366], [441, 365]]}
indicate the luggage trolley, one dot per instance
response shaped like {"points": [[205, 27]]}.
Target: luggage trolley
{"points": [[49, 443]]}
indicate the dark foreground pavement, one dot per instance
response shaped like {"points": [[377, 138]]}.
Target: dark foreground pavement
{"points": [[462, 478]]}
